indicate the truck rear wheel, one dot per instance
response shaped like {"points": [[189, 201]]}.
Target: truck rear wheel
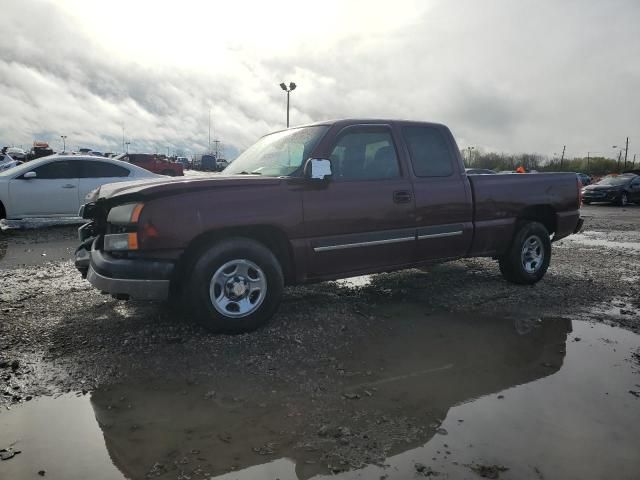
{"points": [[235, 286], [528, 257]]}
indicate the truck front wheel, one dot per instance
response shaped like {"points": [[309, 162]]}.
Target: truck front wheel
{"points": [[235, 286], [528, 257]]}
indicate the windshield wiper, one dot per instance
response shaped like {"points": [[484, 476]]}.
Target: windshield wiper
{"points": [[248, 173]]}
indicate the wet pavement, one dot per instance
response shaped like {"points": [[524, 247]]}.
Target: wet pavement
{"points": [[545, 400], [447, 372]]}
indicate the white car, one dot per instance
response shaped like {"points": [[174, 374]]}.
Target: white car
{"points": [[7, 162], [17, 153], [56, 186]]}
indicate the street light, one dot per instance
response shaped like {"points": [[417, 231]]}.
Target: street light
{"points": [[64, 142], [292, 86], [470, 149], [127, 144], [619, 155]]}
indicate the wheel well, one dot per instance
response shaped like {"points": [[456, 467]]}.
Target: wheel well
{"points": [[544, 214], [271, 237]]}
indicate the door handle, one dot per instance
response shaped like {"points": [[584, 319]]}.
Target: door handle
{"points": [[68, 185], [401, 196]]}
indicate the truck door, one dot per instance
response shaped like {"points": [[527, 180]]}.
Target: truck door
{"points": [[363, 218], [444, 208]]}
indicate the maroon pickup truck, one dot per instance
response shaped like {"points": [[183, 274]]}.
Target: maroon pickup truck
{"points": [[320, 202]]}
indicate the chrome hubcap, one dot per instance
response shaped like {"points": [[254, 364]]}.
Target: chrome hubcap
{"points": [[532, 254], [238, 288]]}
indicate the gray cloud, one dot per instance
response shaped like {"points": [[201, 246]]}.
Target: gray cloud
{"points": [[510, 76]]}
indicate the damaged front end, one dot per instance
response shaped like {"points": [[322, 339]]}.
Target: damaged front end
{"points": [[87, 234], [110, 255]]}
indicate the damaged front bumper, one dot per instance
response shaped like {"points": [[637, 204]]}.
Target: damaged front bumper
{"points": [[123, 278]]}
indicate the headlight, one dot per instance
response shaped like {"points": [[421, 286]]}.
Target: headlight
{"points": [[120, 241], [125, 214]]}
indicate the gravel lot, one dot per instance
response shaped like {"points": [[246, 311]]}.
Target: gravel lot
{"points": [[337, 382]]}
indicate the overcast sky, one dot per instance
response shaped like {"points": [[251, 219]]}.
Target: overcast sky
{"points": [[512, 76]]}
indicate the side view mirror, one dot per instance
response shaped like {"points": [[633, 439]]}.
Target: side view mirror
{"points": [[30, 175], [318, 169]]}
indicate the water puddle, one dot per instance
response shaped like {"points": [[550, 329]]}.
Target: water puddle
{"points": [[420, 395], [25, 248]]}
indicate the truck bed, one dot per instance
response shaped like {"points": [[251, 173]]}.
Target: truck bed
{"points": [[500, 200]]}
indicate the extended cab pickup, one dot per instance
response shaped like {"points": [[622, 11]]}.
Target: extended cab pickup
{"points": [[319, 202]]}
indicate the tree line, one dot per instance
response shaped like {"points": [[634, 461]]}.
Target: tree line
{"points": [[597, 166]]}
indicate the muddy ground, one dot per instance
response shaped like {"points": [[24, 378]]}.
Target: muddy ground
{"points": [[348, 377]]}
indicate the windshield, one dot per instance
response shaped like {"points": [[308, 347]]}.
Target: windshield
{"points": [[617, 180], [279, 154]]}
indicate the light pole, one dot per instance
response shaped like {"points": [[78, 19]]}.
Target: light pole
{"points": [[127, 144], [470, 149], [292, 86], [615, 147], [64, 142]]}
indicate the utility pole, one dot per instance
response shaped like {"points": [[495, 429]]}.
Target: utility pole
{"points": [[626, 150], [562, 157], [209, 129], [127, 144], [633, 165], [64, 142], [588, 160], [619, 157], [123, 138]]}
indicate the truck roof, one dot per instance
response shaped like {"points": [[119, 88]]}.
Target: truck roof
{"points": [[355, 121]]}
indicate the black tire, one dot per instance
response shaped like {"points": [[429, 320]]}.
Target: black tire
{"points": [[516, 266], [210, 261], [624, 200], [169, 173], [587, 202]]}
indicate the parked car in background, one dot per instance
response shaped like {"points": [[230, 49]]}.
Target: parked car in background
{"points": [[184, 161], [17, 153], [221, 164], [56, 186], [321, 202], [154, 163], [206, 162], [7, 162], [479, 171], [618, 189], [584, 179], [39, 150]]}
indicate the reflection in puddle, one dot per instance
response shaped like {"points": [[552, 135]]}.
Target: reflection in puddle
{"points": [[445, 392]]}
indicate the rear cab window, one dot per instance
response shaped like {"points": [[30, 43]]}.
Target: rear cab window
{"points": [[365, 153], [429, 151]]}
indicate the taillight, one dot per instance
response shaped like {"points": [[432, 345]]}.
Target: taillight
{"points": [[579, 185]]}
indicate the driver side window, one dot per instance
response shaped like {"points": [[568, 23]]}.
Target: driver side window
{"points": [[57, 170]]}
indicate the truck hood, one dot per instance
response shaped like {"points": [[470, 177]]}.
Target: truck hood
{"points": [[171, 186]]}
